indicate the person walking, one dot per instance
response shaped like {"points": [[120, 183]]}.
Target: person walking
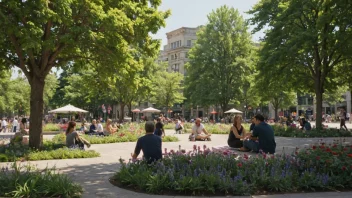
{"points": [[343, 119], [15, 125], [3, 125]]}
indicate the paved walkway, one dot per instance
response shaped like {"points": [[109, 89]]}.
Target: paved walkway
{"points": [[93, 173]]}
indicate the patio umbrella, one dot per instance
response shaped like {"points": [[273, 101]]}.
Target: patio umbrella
{"points": [[213, 112], [68, 109], [233, 110], [136, 110], [150, 110]]}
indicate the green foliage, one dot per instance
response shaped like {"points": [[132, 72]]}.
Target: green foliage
{"points": [[206, 172], [26, 181], [306, 42], [220, 60], [51, 127], [110, 33], [295, 132], [50, 150]]}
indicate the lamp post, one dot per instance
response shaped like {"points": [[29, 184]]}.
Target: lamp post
{"points": [[245, 112]]}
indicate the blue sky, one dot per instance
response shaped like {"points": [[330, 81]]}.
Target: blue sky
{"points": [[192, 13]]}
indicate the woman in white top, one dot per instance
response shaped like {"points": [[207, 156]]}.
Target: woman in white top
{"points": [[199, 132], [100, 129]]}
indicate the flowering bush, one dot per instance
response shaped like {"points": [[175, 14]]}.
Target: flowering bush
{"points": [[202, 172], [295, 132], [26, 181]]}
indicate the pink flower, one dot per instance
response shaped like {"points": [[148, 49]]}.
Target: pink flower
{"points": [[165, 150], [239, 165], [198, 148], [245, 156], [204, 146], [194, 147]]}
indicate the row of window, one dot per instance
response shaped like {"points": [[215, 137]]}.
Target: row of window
{"points": [[179, 44], [178, 56]]}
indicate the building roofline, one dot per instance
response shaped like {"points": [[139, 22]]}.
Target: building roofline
{"points": [[178, 29]]}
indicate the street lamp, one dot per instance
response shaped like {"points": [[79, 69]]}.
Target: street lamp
{"points": [[245, 112]]}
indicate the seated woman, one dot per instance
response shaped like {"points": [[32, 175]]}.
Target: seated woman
{"points": [[237, 133], [305, 125], [84, 128], [73, 139], [109, 129]]}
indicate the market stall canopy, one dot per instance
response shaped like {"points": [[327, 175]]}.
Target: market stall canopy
{"points": [[150, 110], [136, 110], [233, 110], [213, 112], [68, 109]]}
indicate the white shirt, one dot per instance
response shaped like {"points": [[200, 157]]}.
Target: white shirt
{"points": [[197, 129], [100, 128], [15, 123], [3, 123]]}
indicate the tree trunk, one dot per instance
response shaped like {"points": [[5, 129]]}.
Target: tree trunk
{"points": [[276, 114], [122, 112], [36, 112], [319, 106]]}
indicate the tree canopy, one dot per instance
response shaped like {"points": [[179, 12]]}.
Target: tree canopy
{"points": [[220, 60], [42, 34], [309, 39]]}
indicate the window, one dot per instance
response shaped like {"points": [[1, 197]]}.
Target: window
{"points": [[177, 44], [175, 68], [180, 43], [186, 55], [189, 43], [172, 57], [175, 56]]}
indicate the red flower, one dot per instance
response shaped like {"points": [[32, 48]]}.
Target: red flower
{"points": [[314, 147], [328, 150], [245, 156], [318, 158], [322, 146], [239, 165], [345, 149], [334, 153], [344, 168], [225, 153], [334, 146], [194, 147], [350, 155]]}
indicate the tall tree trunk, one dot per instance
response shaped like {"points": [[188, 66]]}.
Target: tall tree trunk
{"points": [[319, 105], [36, 112], [276, 113], [122, 111]]}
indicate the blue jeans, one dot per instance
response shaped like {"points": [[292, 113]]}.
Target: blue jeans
{"points": [[251, 145]]}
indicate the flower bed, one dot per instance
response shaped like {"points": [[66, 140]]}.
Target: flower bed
{"points": [[203, 172], [25, 181], [50, 150], [295, 132]]}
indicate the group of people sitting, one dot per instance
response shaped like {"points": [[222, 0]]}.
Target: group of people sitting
{"points": [[260, 138], [96, 128]]}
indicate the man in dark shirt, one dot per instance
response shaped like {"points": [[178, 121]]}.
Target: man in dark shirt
{"points": [[159, 128], [252, 125], [93, 127], [263, 133], [150, 144]]}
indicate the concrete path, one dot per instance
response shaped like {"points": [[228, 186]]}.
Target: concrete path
{"points": [[93, 173]]}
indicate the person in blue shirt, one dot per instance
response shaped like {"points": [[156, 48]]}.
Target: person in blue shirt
{"points": [[305, 124], [150, 144], [262, 139]]}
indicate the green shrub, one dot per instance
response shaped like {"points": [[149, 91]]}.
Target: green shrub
{"points": [[170, 139], [285, 131], [25, 181], [204, 172], [169, 126], [3, 158], [51, 127], [50, 150]]}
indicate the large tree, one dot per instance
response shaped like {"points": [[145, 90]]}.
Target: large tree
{"points": [[43, 34], [309, 39], [220, 60]]}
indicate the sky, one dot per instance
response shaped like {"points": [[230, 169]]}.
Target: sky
{"points": [[192, 13]]}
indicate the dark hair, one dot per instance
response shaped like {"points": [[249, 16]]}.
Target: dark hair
{"points": [[259, 117], [71, 124], [303, 120], [158, 119], [24, 120], [149, 127]]}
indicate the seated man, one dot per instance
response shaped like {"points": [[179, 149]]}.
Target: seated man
{"points": [[262, 137], [199, 132], [178, 127], [305, 124], [150, 144], [93, 128]]}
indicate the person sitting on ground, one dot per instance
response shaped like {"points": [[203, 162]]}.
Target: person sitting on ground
{"points": [[93, 127], [109, 130], [73, 139], [305, 124], [178, 126], [150, 144], [262, 138], [159, 128], [237, 133], [199, 132], [100, 128], [84, 128]]}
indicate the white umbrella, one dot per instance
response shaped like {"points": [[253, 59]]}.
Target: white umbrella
{"points": [[233, 110], [68, 109], [150, 110]]}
